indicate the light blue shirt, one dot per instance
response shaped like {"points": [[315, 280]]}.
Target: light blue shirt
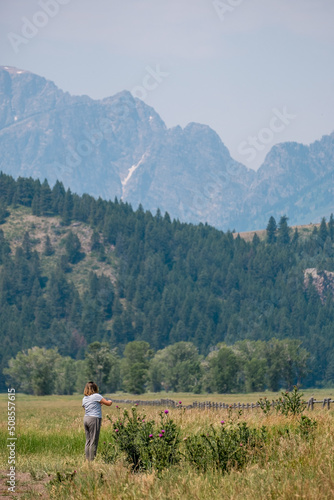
{"points": [[92, 405]]}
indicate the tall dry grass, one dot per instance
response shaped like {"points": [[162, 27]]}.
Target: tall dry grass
{"points": [[51, 439]]}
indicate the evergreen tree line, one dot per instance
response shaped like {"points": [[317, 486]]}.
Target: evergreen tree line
{"points": [[176, 282], [247, 366]]}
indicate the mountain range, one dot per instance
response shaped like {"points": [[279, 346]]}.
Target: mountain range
{"points": [[120, 147]]}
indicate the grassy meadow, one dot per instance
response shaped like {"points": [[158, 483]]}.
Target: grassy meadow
{"points": [[50, 447]]}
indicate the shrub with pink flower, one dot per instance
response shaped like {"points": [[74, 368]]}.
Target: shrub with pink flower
{"points": [[146, 443]]}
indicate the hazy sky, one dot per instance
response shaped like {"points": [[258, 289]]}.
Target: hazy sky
{"points": [[236, 65]]}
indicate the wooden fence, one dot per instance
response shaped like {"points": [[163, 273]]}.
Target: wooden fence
{"points": [[209, 405]]}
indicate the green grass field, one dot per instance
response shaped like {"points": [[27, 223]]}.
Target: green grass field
{"points": [[51, 440]]}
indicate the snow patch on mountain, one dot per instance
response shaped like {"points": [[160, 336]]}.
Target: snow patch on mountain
{"points": [[131, 171]]}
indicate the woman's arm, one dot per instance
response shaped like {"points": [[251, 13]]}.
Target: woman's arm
{"points": [[106, 402]]}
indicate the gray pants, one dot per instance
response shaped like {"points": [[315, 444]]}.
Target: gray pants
{"points": [[92, 429]]}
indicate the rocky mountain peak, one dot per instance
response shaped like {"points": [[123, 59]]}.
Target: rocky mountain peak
{"points": [[120, 146]]}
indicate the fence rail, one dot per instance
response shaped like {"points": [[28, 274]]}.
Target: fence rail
{"points": [[209, 405]]}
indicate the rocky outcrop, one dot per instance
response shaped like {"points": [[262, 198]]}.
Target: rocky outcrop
{"points": [[322, 280]]}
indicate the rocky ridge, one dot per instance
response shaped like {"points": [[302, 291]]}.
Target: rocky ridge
{"points": [[119, 146]]}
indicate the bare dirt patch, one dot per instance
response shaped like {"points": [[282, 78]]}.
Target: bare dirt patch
{"points": [[249, 235], [26, 486]]}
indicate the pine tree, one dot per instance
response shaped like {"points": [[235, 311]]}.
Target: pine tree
{"points": [[48, 248], [67, 208], [323, 233], [331, 227], [73, 247], [4, 247], [45, 198], [35, 205], [15, 199], [26, 245], [256, 240], [57, 197], [271, 230], [283, 231], [95, 244], [3, 212]]}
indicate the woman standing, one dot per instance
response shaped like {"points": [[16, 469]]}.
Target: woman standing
{"points": [[92, 403]]}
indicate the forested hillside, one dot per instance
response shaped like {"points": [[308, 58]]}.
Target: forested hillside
{"points": [[75, 270]]}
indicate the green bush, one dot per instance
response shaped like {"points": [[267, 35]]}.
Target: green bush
{"points": [[165, 443], [146, 444], [230, 446], [63, 477], [265, 405], [307, 426], [291, 403], [109, 452]]}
